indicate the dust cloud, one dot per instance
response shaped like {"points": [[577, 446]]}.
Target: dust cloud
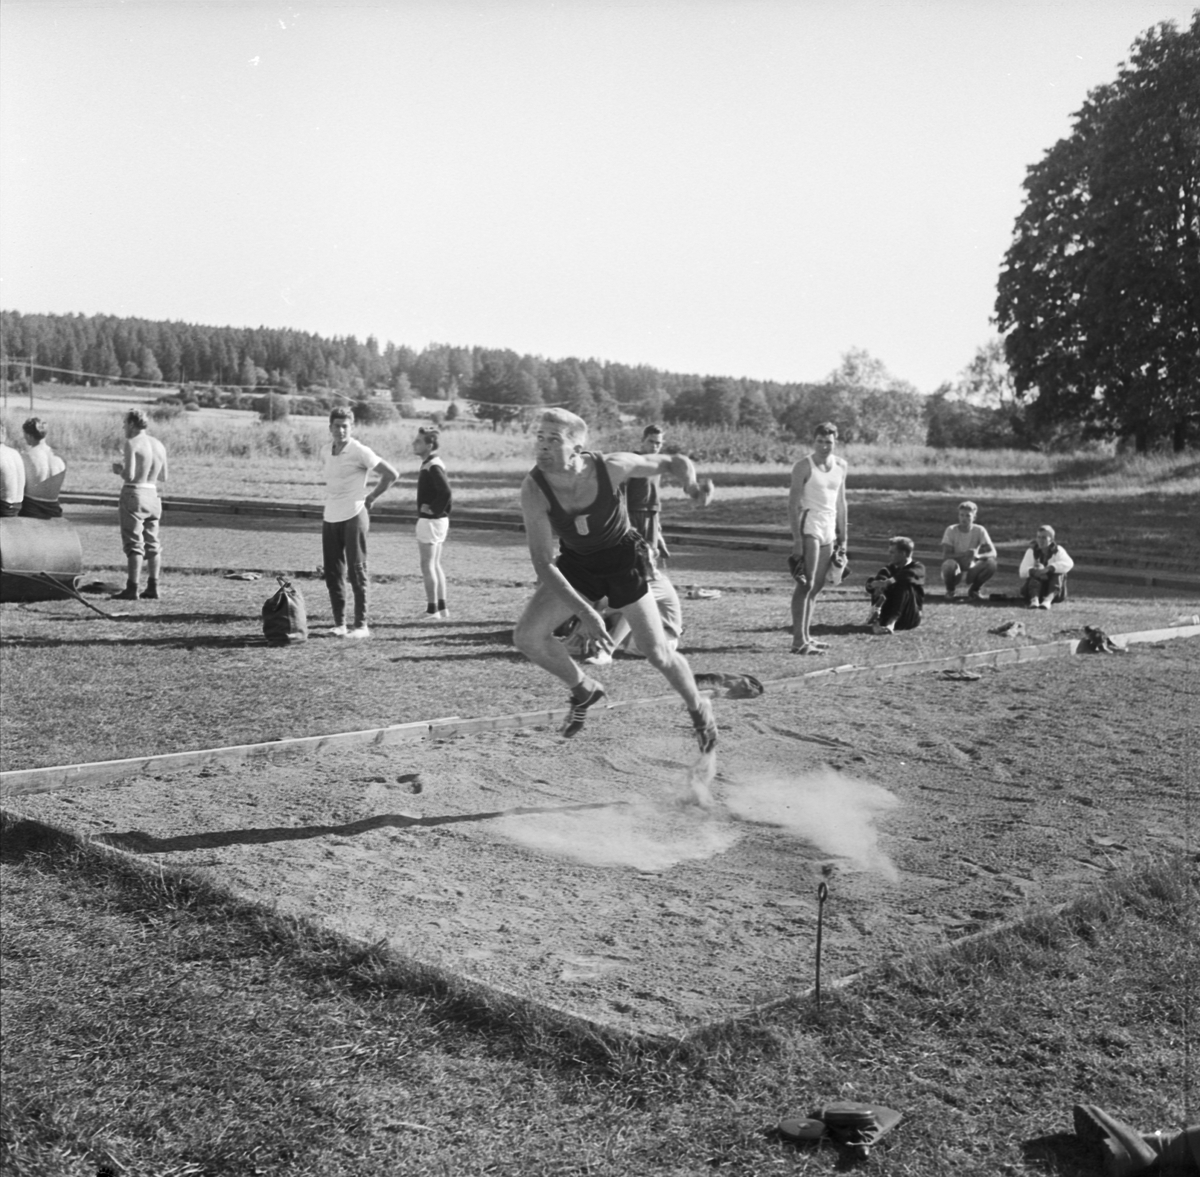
{"points": [[641, 834], [833, 812]]}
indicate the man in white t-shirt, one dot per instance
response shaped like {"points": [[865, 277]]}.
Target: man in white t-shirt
{"points": [[347, 520], [968, 554]]}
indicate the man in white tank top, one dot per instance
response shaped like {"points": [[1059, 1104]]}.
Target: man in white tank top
{"points": [[817, 514]]}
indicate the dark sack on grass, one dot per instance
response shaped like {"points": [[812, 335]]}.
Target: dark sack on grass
{"points": [[284, 617]]}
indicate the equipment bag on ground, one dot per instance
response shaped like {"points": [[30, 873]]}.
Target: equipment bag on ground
{"points": [[284, 617]]}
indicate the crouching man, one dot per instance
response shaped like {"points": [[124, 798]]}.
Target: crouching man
{"points": [[574, 495], [897, 590]]}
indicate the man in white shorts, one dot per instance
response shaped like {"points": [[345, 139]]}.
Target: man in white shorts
{"points": [[347, 520], [434, 500], [142, 467], [817, 514]]}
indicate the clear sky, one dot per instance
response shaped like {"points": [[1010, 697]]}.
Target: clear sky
{"points": [[727, 187]]}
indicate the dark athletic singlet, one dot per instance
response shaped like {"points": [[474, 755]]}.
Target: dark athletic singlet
{"points": [[606, 520], [641, 494]]}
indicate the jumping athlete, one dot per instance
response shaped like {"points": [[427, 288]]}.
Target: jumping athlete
{"points": [[817, 514], [573, 494]]}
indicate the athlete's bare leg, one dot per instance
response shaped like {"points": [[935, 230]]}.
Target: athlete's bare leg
{"points": [[646, 624], [534, 636], [817, 558], [431, 572]]}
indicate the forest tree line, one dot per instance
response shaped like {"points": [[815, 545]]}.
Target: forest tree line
{"points": [[278, 371]]}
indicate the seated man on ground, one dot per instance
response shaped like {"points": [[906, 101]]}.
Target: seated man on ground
{"points": [[44, 473], [897, 590], [1044, 566], [968, 554]]}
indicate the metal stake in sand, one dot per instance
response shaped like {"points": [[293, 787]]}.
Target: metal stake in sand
{"points": [[822, 895]]}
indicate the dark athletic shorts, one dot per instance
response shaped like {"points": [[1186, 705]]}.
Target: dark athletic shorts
{"points": [[622, 573]]}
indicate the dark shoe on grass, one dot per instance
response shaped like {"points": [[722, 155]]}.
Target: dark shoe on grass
{"points": [[126, 594], [149, 593]]}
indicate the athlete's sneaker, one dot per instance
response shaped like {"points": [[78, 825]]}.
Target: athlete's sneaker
{"points": [[126, 594], [442, 615], [149, 593], [577, 711], [359, 631], [338, 631], [598, 658], [705, 725]]}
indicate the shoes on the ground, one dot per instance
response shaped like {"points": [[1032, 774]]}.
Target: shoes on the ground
{"points": [[149, 594], [949, 594], [705, 725], [359, 631], [126, 594], [1047, 603], [338, 631], [882, 631], [808, 648], [443, 615], [577, 710], [975, 595], [873, 617], [599, 658]]}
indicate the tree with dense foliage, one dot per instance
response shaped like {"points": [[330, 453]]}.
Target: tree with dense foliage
{"points": [[1100, 290]]}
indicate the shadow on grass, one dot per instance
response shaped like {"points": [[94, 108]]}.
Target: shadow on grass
{"points": [[1062, 1154], [205, 641], [138, 842], [21, 839]]}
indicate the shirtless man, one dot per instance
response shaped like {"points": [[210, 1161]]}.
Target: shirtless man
{"points": [[142, 466], [44, 473], [817, 514], [573, 494], [12, 477]]}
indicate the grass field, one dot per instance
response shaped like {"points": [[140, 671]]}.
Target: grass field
{"points": [[155, 1027]]}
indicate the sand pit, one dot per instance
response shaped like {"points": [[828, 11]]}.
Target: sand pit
{"points": [[570, 874]]}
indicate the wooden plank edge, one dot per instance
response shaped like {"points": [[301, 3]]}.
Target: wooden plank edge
{"points": [[57, 778]]}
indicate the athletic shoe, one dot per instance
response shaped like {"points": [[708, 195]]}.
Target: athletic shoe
{"points": [[149, 594], [950, 596], [1047, 603], [338, 631], [443, 615], [882, 631], [359, 631], [705, 725], [128, 594], [577, 711], [975, 596], [599, 658]]}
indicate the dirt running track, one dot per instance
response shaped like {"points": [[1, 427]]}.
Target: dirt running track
{"points": [[567, 872]]}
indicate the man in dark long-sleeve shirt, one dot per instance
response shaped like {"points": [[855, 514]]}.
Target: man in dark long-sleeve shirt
{"points": [[897, 590], [433, 507]]}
